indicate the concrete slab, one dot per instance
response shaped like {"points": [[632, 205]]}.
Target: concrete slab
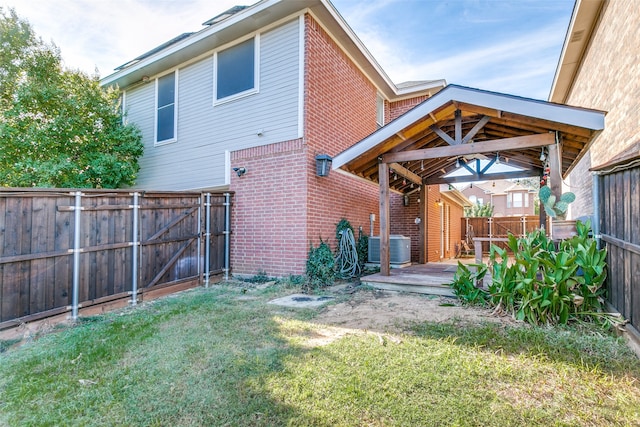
{"points": [[301, 300]]}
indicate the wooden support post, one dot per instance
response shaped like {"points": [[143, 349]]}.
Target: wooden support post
{"points": [[385, 228], [422, 227], [555, 169], [542, 216]]}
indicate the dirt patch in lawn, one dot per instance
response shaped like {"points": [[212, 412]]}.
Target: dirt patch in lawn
{"points": [[393, 312]]}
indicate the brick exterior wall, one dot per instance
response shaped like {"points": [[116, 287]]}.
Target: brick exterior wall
{"points": [[269, 222], [340, 110], [403, 220], [398, 108], [608, 80]]}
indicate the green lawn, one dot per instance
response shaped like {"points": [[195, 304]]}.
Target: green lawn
{"points": [[221, 357]]}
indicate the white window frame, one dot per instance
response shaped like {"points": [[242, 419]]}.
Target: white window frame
{"points": [[379, 110], [518, 201], [175, 111], [256, 72]]}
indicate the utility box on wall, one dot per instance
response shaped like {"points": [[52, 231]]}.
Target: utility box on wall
{"points": [[399, 248]]}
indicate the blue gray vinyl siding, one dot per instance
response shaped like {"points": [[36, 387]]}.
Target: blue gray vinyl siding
{"points": [[205, 131]]}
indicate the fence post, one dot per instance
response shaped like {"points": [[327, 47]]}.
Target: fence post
{"points": [[76, 255], [207, 238], [134, 249], [490, 231], [595, 226], [524, 226], [466, 232], [227, 234]]}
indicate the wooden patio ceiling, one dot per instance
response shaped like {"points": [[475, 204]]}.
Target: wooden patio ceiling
{"points": [[459, 125]]}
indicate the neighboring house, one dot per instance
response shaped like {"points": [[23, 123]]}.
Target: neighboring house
{"points": [[599, 68], [247, 103], [509, 198]]}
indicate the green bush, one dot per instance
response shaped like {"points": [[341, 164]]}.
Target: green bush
{"points": [[320, 263], [465, 284], [545, 283], [362, 246]]}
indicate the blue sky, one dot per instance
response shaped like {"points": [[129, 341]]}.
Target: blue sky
{"points": [[509, 46]]}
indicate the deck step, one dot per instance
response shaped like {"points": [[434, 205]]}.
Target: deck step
{"points": [[442, 290]]}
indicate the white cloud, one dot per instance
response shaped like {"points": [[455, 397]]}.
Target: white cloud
{"points": [[108, 33], [532, 55], [412, 40]]}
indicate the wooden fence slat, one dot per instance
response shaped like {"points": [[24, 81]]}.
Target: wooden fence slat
{"points": [[500, 228], [620, 230], [37, 233]]}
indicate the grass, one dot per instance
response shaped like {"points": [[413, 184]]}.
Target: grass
{"points": [[221, 356]]}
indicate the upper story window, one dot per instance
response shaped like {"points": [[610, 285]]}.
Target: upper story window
{"points": [[236, 70], [166, 111], [379, 111], [514, 200], [517, 200]]}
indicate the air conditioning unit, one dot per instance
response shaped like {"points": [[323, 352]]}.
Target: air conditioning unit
{"points": [[399, 248]]}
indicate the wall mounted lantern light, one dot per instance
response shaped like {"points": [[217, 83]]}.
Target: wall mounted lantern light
{"points": [[323, 164], [405, 200]]}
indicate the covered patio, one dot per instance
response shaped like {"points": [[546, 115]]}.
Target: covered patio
{"points": [[456, 128]]}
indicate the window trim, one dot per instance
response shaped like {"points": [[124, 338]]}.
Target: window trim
{"points": [[175, 111], [519, 203], [256, 72], [379, 111]]}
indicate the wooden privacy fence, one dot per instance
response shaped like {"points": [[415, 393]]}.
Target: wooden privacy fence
{"points": [[61, 251], [618, 207], [497, 227]]}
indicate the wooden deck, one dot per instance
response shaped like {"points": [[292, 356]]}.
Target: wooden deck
{"points": [[432, 278]]}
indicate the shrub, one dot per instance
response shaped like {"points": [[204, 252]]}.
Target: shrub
{"points": [[465, 283], [320, 265], [363, 249], [546, 283]]}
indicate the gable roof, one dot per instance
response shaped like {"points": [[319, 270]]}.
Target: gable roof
{"points": [[425, 142], [240, 21]]}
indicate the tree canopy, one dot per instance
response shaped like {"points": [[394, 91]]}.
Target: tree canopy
{"points": [[58, 127]]}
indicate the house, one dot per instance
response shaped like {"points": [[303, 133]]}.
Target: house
{"points": [[248, 103], [509, 198], [599, 68]]}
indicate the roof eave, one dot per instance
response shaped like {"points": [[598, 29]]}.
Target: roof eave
{"points": [[581, 28], [255, 17]]}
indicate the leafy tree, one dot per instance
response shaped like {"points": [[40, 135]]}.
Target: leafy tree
{"points": [[479, 210], [58, 127]]}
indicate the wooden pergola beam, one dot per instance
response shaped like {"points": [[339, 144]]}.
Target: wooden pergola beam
{"points": [[484, 177], [474, 130], [405, 173], [516, 143]]}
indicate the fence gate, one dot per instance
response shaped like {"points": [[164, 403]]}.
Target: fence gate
{"points": [[62, 250]]}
